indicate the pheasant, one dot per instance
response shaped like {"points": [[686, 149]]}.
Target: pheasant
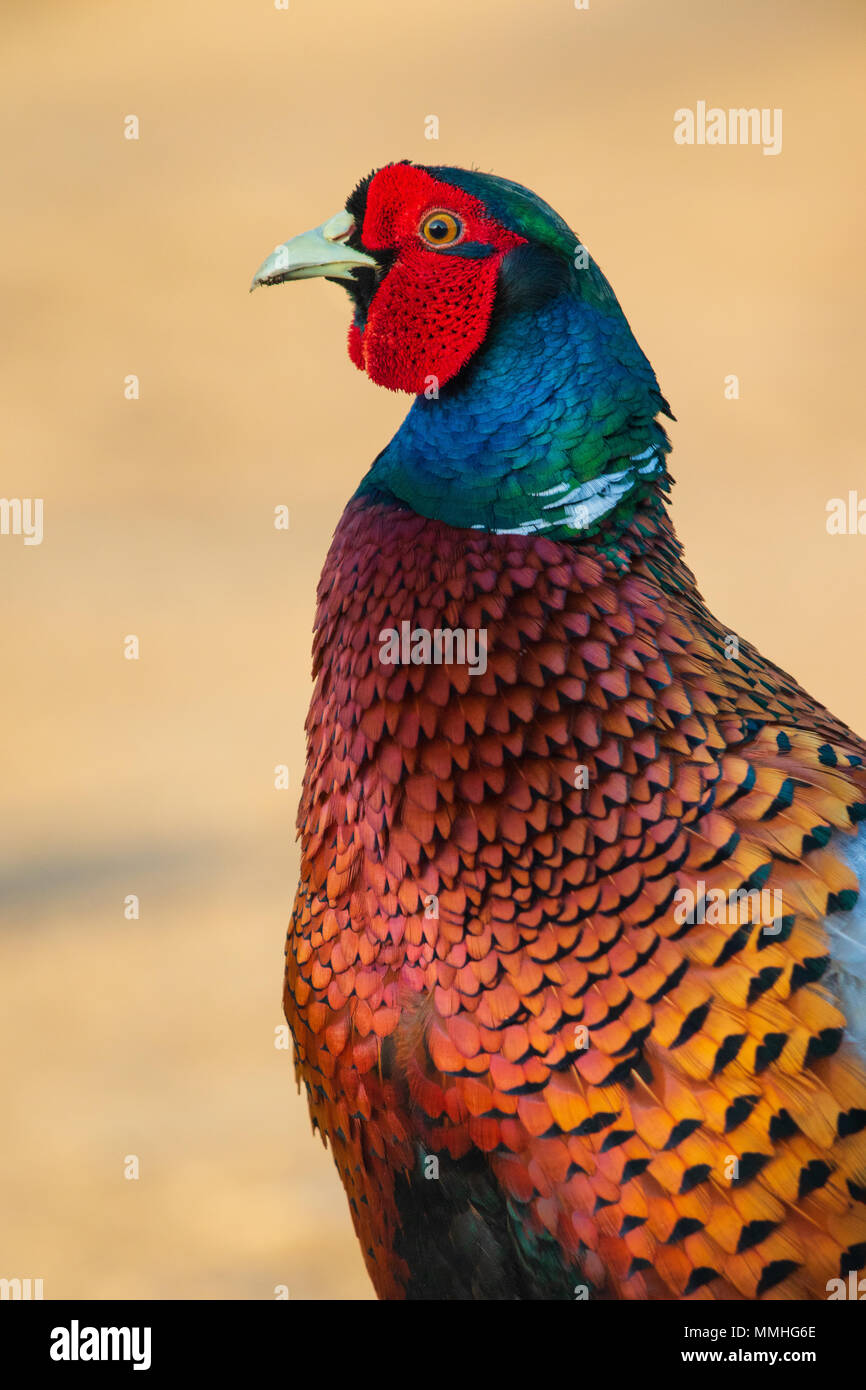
{"points": [[575, 974]]}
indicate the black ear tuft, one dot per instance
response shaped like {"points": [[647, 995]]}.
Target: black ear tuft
{"points": [[528, 277], [356, 202]]}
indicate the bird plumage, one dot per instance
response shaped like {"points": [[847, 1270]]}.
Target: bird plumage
{"points": [[575, 972]]}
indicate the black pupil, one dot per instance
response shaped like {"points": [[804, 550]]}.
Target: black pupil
{"points": [[438, 229]]}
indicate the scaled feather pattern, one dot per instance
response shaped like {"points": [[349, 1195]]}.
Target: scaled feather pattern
{"points": [[535, 1072]]}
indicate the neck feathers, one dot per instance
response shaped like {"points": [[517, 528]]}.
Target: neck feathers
{"points": [[550, 430]]}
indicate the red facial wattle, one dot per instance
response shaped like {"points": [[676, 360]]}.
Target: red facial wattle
{"points": [[431, 311]]}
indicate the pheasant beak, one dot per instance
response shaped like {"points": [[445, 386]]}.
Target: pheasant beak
{"points": [[323, 251]]}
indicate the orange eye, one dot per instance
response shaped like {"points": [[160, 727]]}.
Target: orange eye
{"points": [[441, 228]]}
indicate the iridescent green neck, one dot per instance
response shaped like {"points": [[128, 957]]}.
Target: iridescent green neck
{"points": [[551, 430]]}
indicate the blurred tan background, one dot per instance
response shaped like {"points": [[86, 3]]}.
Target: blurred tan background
{"points": [[155, 776]]}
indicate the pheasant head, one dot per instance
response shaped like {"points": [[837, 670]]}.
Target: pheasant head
{"points": [[535, 408]]}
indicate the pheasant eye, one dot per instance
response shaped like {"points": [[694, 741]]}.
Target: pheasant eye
{"points": [[441, 228]]}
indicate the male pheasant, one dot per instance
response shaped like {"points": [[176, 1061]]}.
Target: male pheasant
{"points": [[575, 972]]}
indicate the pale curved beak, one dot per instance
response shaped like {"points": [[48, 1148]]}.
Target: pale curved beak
{"points": [[323, 251]]}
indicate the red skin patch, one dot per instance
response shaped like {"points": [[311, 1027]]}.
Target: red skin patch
{"points": [[431, 311]]}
